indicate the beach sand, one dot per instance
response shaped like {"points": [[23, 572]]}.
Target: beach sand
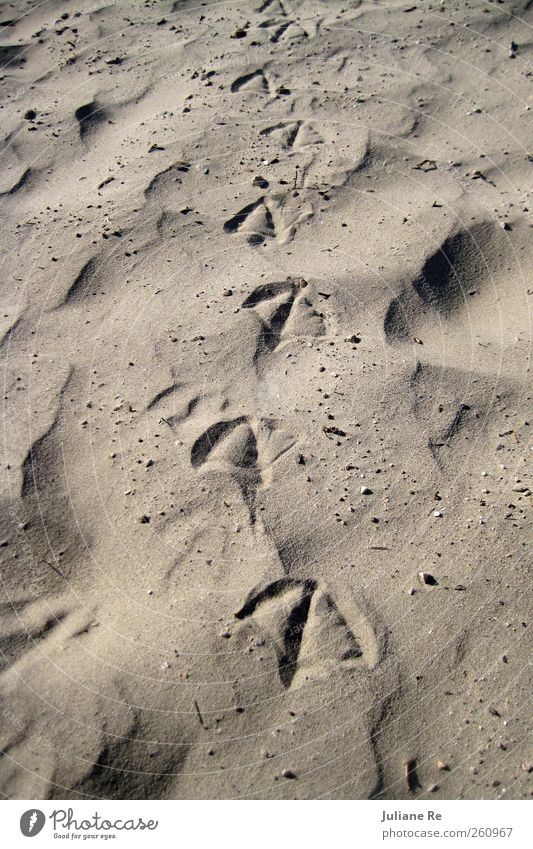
{"points": [[266, 475]]}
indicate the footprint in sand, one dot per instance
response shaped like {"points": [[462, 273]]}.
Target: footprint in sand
{"points": [[311, 636], [283, 310]]}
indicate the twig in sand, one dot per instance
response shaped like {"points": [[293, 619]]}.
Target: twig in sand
{"points": [[51, 565], [295, 184], [426, 165], [332, 429], [200, 717]]}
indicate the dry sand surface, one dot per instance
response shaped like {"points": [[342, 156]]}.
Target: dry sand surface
{"points": [[266, 480]]}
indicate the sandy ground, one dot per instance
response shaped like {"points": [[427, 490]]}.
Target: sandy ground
{"points": [[266, 473]]}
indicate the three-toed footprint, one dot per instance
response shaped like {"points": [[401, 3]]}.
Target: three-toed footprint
{"points": [[311, 636]]}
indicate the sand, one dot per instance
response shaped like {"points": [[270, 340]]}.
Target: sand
{"points": [[266, 472]]}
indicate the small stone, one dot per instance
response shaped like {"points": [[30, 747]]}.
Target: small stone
{"points": [[427, 579], [227, 293], [289, 774], [365, 490], [149, 463], [442, 765], [260, 182], [521, 487], [527, 766], [144, 520], [437, 514], [433, 788]]}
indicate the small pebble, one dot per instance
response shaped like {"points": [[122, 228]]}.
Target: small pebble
{"points": [[288, 773], [427, 579]]}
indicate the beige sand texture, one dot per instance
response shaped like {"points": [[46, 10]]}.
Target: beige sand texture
{"points": [[266, 473]]}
